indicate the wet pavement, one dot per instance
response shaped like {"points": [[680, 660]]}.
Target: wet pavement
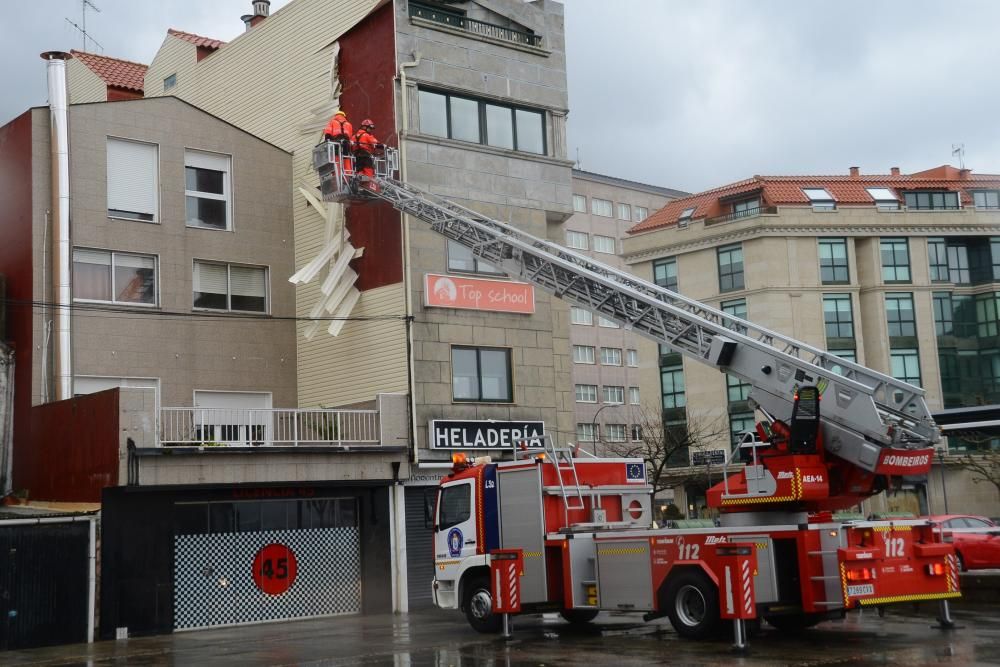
{"points": [[433, 637]]}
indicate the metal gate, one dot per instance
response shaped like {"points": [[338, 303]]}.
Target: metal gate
{"points": [[419, 547], [253, 561]]}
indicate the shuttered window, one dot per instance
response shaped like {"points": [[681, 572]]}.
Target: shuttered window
{"points": [[102, 275], [133, 180], [230, 287]]}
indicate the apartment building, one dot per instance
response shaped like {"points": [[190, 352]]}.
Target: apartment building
{"points": [[898, 272], [606, 361]]}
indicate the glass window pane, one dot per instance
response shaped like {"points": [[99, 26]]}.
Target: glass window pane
{"points": [[579, 203], [248, 286], [495, 380], [530, 135], [465, 377], [135, 279], [499, 127], [209, 213], [278, 515], [211, 286], [456, 505], [91, 275], [460, 258], [464, 119], [204, 180], [221, 518], [433, 113]]}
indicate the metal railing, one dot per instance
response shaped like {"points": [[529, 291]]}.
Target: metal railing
{"points": [[246, 427], [461, 22], [738, 215]]}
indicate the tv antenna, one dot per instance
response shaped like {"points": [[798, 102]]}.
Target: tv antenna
{"points": [[959, 150], [84, 5]]}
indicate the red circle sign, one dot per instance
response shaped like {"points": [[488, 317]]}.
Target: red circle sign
{"points": [[274, 569]]}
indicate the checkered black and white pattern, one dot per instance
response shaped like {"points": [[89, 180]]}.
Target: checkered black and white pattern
{"points": [[213, 577]]}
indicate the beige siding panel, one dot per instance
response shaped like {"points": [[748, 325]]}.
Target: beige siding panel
{"points": [[175, 56], [83, 85], [365, 359]]}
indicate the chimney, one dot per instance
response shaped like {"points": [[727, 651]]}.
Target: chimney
{"points": [[894, 171], [855, 172], [261, 10], [963, 174]]}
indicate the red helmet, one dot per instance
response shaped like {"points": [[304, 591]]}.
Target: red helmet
{"points": [[367, 122]]}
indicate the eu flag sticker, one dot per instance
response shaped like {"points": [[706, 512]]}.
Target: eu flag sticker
{"points": [[635, 473]]}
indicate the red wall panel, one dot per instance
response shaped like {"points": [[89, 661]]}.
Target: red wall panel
{"points": [[16, 266], [367, 69], [79, 438]]}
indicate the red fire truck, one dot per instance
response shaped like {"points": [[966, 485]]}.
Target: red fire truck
{"points": [[582, 526]]}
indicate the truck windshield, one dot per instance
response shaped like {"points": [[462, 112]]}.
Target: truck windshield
{"points": [[455, 505]]}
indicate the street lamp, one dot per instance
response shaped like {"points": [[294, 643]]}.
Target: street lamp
{"points": [[593, 422]]}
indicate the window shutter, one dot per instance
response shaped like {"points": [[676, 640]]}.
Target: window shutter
{"points": [[135, 261], [247, 281], [132, 177], [210, 278], [100, 257]]}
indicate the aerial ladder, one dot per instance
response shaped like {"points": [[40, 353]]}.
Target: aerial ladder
{"points": [[872, 428]]}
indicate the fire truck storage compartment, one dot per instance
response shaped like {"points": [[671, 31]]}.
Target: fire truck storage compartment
{"points": [[766, 583], [623, 567], [522, 526], [583, 570], [788, 582]]}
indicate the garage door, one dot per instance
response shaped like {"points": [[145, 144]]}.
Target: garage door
{"points": [[419, 547], [252, 561]]}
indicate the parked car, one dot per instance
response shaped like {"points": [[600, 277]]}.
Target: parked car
{"points": [[976, 539]]}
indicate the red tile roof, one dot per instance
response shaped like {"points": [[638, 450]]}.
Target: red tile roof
{"points": [[114, 71], [845, 190], [197, 40]]}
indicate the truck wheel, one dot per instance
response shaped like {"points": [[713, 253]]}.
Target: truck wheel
{"points": [[793, 622], [477, 603], [961, 562], [692, 603], [579, 616]]}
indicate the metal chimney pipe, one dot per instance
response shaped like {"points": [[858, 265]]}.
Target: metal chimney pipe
{"points": [[61, 250]]}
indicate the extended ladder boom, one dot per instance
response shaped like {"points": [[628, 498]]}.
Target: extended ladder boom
{"points": [[864, 411]]}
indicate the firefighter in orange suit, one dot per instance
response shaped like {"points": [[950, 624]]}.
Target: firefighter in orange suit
{"points": [[365, 145], [340, 130]]}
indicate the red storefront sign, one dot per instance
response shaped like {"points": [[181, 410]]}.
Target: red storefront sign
{"points": [[478, 294], [275, 568]]}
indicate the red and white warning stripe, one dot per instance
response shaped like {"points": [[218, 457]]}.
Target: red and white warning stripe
{"points": [[512, 581], [747, 593]]}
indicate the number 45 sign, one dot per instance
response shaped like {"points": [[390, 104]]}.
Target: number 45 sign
{"points": [[274, 569]]}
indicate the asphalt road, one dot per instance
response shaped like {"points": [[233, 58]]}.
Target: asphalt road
{"points": [[433, 637]]}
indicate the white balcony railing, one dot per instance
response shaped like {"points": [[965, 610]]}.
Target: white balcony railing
{"points": [[245, 427]]}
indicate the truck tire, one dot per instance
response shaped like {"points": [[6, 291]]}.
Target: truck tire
{"points": [[477, 603], [579, 616], [793, 622], [692, 603]]}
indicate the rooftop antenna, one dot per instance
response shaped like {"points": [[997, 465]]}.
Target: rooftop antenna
{"points": [[84, 4], [959, 150]]}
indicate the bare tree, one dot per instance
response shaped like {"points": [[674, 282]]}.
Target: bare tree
{"points": [[984, 466], [666, 446]]}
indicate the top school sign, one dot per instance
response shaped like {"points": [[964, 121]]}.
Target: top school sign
{"points": [[502, 296]]}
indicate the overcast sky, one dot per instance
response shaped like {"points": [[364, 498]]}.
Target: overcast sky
{"points": [[677, 93]]}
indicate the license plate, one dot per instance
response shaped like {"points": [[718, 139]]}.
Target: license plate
{"points": [[861, 589]]}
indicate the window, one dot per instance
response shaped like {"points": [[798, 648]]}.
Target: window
{"points": [[580, 316], [169, 82], [461, 259], [633, 395], [838, 317], [944, 315], [601, 207], [833, 262], [736, 389], [986, 198], [745, 208], [577, 240], [585, 432], [665, 273], [606, 323], [133, 180], [740, 423], [958, 264], [611, 356], [579, 203], [995, 258], [736, 308], [481, 374], [730, 268], [847, 355], [604, 244], [230, 287], [614, 432], [672, 386], [206, 189], [820, 199], [641, 213], [987, 315], [632, 358], [905, 365], [895, 261], [900, 316], [456, 505], [635, 433], [686, 214], [586, 393], [115, 277], [614, 394], [624, 212], [884, 198], [937, 253], [583, 354], [481, 122], [931, 200]]}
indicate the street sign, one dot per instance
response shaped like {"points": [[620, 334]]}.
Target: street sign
{"points": [[715, 457]]}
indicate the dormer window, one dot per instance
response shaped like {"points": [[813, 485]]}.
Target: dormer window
{"points": [[988, 199], [746, 208], [685, 217], [820, 199], [885, 200], [931, 200]]}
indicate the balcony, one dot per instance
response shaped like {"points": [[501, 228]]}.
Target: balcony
{"points": [[740, 215], [461, 22], [245, 427]]}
